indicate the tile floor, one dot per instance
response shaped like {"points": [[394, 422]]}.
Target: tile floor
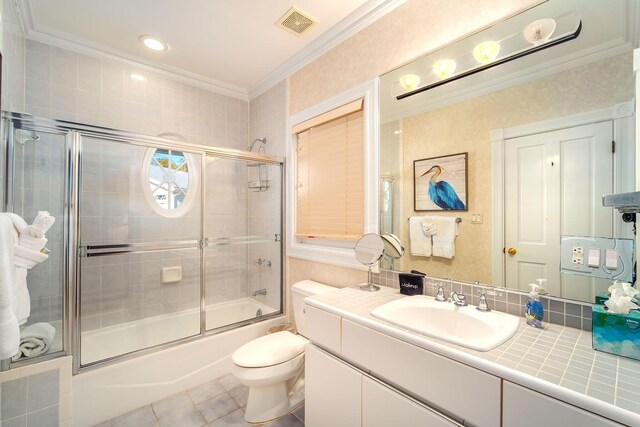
{"points": [[218, 403]]}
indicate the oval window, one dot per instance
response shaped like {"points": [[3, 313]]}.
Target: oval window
{"points": [[169, 181]]}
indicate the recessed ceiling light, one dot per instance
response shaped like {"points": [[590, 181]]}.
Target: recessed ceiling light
{"points": [[138, 77], [153, 43]]}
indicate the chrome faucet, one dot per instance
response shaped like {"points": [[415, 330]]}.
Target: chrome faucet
{"points": [[458, 299], [259, 292], [482, 303]]}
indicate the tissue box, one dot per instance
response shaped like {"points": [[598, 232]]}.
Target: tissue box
{"points": [[616, 333], [601, 298]]}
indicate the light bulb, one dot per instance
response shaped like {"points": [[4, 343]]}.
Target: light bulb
{"points": [[486, 52], [409, 81], [539, 31], [444, 68], [153, 43]]}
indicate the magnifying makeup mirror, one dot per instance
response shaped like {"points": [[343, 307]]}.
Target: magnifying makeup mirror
{"points": [[393, 248], [368, 251]]}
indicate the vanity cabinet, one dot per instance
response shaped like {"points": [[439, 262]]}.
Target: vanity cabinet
{"points": [[333, 391], [528, 408], [339, 395]]}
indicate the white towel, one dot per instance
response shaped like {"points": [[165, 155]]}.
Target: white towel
{"points": [[420, 242], [35, 339], [41, 225], [444, 240], [32, 243], [9, 330], [22, 301], [26, 258]]}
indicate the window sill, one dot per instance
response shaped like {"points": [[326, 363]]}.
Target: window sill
{"points": [[343, 257]]}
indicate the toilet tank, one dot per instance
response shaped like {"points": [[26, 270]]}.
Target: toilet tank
{"points": [[301, 290]]}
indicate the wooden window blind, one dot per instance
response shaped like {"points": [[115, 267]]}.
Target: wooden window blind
{"points": [[330, 175]]}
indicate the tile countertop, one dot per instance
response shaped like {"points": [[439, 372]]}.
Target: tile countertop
{"points": [[557, 360]]}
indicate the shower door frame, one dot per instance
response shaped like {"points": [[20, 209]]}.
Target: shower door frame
{"points": [[72, 250]]}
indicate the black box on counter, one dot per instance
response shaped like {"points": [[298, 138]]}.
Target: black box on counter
{"points": [[411, 284]]}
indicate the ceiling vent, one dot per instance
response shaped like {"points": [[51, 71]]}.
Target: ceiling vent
{"points": [[295, 21]]}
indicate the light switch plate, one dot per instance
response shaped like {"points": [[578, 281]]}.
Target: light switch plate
{"points": [[476, 218], [594, 257]]}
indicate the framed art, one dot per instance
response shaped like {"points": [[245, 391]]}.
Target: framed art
{"points": [[440, 183]]}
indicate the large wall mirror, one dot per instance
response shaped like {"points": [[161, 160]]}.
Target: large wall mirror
{"points": [[537, 132]]}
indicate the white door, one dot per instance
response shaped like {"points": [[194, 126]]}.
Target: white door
{"points": [[554, 182]]}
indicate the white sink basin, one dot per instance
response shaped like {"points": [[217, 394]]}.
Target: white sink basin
{"points": [[464, 326]]}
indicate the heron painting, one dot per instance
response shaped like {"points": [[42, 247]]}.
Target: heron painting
{"points": [[440, 183]]}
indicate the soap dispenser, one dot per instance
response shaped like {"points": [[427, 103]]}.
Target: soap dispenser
{"points": [[534, 310]]}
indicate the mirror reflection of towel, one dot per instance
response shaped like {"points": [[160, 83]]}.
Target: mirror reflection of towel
{"points": [[420, 241], [444, 240]]}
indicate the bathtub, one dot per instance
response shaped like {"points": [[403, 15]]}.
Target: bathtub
{"points": [[106, 392], [123, 338]]}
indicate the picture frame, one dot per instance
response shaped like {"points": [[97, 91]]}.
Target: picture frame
{"points": [[440, 183]]}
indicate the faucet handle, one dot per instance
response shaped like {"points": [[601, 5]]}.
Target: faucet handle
{"points": [[440, 292], [482, 303]]}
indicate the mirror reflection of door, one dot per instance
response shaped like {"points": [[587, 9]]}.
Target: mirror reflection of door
{"points": [[554, 182]]}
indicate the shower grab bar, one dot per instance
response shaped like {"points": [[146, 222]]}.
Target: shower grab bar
{"points": [[123, 248], [238, 240]]}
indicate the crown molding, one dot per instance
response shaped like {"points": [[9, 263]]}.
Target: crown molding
{"points": [[362, 17], [347, 27]]}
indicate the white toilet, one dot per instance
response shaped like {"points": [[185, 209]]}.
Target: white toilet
{"points": [[272, 366]]}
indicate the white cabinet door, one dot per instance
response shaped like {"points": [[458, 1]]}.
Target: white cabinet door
{"points": [[383, 407], [526, 408], [333, 391], [464, 392]]}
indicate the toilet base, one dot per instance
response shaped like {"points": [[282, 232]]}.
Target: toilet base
{"points": [[270, 402]]}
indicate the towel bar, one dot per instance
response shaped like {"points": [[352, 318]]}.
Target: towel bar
{"points": [[458, 220]]}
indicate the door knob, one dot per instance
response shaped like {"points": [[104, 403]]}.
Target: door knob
{"points": [[512, 251]]}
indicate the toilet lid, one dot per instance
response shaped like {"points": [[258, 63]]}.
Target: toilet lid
{"points": [[269, 350]]}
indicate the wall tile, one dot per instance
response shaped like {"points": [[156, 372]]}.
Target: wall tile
{"points": [[43, 390], [14, 398]]}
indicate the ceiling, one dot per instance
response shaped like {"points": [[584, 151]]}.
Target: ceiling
{"points": [[232, 43]]}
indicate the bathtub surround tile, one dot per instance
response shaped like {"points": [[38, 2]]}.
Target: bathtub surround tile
{"points": [[140, 417], [47, 417], [14, 398], [15, 422], [218, 407], [43, 390]]}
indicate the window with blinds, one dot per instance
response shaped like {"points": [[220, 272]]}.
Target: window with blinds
{"points": [[330, 174]]}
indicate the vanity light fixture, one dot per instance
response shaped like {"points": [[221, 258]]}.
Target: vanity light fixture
{"points": [[486, 52], [409, 81], [444, 68], [538, 35], [153, 43], [138, 77], [539, 31]]}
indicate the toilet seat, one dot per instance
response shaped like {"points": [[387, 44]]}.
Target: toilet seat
{"points": [[269, 350]]}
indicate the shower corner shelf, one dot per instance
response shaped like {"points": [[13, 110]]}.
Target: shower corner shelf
{"points": [[260, 185]]}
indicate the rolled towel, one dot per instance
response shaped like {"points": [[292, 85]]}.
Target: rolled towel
{"points": [[41, 225], [35, 340], [32, 243], [27, 258]]}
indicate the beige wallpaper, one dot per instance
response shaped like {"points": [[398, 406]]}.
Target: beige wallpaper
{"points": [[459, 128], [411, 30]]}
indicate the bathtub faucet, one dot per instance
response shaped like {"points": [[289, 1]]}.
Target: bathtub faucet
{"points": [[260, 292]]}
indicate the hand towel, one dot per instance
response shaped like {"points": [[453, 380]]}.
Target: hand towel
{"points": [[27, 258], [420, 242], [9, 330], [41, 225], [444, 239], [35, 339], [429, 225], [32, 243], [22, 301]]}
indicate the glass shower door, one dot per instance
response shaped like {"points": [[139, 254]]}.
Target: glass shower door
{"points": [[243, 229], [140, 232]]}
